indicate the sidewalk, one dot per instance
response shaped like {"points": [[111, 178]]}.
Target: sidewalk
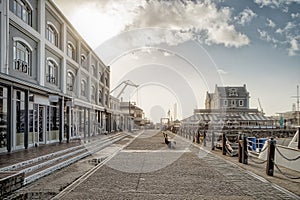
{"points": [[148, 169], [21, 155]]}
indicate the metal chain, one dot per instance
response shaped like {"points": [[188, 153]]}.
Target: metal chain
{"points": [[289, 159], [254, 160], [231, 154], [263, 149], [290, 177]]}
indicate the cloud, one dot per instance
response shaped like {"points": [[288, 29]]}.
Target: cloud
{"points": [[221, 71], [275, 3], [264, 35], [294, 47], [295, 15], [270, 23], [189, 20], [245, 16]]}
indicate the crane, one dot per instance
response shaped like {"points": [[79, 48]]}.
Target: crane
{"points": [[126, 83], [261, 109]]}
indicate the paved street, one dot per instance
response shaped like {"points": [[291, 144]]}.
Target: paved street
{"points": [[145, 168]]}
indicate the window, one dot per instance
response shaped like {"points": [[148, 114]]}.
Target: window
{"points": [[23, 10], [233, 103], [100, 96], [71, 50], [106, 99], [83, 61], [83, 88], [225, 103], [241, 103], [52, 34], [70, 81], [93, 90], [94, 72], [22, 57], [232, 92], [51, 71]]}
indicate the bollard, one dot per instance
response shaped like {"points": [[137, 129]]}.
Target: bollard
{"points": [[223, 144], [212, 140], [244, 151], [271, 157], [240, 149], [298, 137]]}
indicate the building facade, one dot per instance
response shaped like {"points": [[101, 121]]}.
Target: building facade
{"points": [[228, 98], [53, 87]]}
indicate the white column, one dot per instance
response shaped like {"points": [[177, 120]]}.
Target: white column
{"points": [[41, 53], [63, 70], [4, 49]]}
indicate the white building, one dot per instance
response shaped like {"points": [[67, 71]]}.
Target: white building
{"points": [[53, 87]]}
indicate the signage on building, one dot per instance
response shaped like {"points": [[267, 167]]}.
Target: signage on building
{"points": [[53, 98]]}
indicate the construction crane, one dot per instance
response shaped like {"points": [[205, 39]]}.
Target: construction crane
{"points": [[297, 105], [126, 83], [261, 109]]}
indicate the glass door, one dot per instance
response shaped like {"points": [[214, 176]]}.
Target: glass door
{"points": [[41, 124]]}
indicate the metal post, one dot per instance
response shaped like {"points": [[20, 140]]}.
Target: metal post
{"points": [[240, 148], [26, 118], [61, 119], [298, 137], [245, 151], [223, 144], [9, 118], [271, 157], [212, 140]]}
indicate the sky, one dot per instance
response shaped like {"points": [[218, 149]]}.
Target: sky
{"points": [[177, 50]]}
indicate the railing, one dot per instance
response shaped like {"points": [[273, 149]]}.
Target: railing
{"points": [[246, 154]]}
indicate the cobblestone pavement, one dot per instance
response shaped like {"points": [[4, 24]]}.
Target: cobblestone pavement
{"points": [[148, 169]]}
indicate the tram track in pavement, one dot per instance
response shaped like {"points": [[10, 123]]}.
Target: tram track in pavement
{"points": [[94, 169], [42, 166]]}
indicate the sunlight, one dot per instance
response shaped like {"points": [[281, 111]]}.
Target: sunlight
{"points": [[105, 25]]}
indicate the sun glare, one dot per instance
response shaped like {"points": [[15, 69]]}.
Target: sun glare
{"points": [[94, 26]]}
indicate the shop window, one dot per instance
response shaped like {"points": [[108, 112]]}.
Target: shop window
{"points": [[52, 34], [3, 117], [23, 10], [19, 99], [51, 72], [22, 56]]}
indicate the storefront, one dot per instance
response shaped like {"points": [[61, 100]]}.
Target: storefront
{"points": [[30, 117]]}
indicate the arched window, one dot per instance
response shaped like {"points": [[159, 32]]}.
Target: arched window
{"points": [[83, 61], [100, 96], [23, 10], [83, 88], [71, 50], [70, 81], [93, 91], [94, 72], [52, 34], [51, 72], [22, 56]]}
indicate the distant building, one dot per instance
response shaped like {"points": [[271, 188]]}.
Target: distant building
{"points": [[134, 116], [227, 98], [229, 107]]}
